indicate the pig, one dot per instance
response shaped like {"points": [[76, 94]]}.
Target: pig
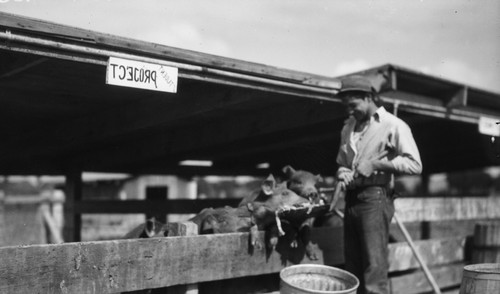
{"points": [[304, 184], [149, 229], [259, 214], [301, 182], [272, 197], [209, 221], [223, 220], [255, 212], [252, 215]]}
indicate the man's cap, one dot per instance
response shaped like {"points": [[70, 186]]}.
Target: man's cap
{"points": [[355, 83]]}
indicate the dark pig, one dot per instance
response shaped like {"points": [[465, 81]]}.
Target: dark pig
{"points": [[223, 220], [301, 182], [263, 208], [304, 183], [250, 216], [209, 221], [148, 229], [255, 212]]}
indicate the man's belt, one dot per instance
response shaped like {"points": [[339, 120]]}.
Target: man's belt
{"points": [[379, 179]]}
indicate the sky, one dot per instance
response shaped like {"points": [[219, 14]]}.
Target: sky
{"points": [[455, 40]]}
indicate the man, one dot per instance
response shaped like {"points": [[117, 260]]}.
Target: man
{"points": [[374, 146]]}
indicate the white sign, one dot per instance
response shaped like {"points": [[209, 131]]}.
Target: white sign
{"points": [[136, 74], [489, 126]]}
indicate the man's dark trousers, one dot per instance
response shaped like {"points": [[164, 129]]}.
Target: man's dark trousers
{"points": [[368, 214]]}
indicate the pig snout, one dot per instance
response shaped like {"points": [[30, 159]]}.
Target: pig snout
{"points": [[310, 192], [312, 195], [315, 197]]}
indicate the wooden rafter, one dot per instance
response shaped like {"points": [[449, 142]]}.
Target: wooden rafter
{"points": [[21, 68]]}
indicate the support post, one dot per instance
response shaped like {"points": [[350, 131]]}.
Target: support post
{"points": [[3, 230], [50, 222], [425, 226], [157, 193], [72, 219], [183, 229]]}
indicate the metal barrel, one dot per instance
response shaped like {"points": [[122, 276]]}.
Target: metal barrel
{"points": [[314, 278]]}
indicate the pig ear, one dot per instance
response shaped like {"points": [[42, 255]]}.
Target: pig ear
{"points": [[288, 171], [267, 188], [319, 179], [150, 227], [268, 185]]}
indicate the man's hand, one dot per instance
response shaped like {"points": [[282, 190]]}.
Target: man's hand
{"points": [[365, 168], [346, 179]]}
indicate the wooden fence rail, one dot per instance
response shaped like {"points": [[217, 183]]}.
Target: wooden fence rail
{"points": [[410, 209], [447, 208], [128, 265]]}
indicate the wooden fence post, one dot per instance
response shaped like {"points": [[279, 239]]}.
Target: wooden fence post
{"points": [[73, 195], [182, 229], [486, 248], [50, 222], [3, 231]]}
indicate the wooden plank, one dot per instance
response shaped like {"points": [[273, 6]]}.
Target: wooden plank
{"points": [[433, 252], [23, 224], [127, 265], [41, 26], [408, 209], [435, 229], [32, 199], [177, 206], [183, 229], [450, 228], [314, 88], [447, 208], [428, 106], [203, 66], [192, 57], [446, 276]]}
